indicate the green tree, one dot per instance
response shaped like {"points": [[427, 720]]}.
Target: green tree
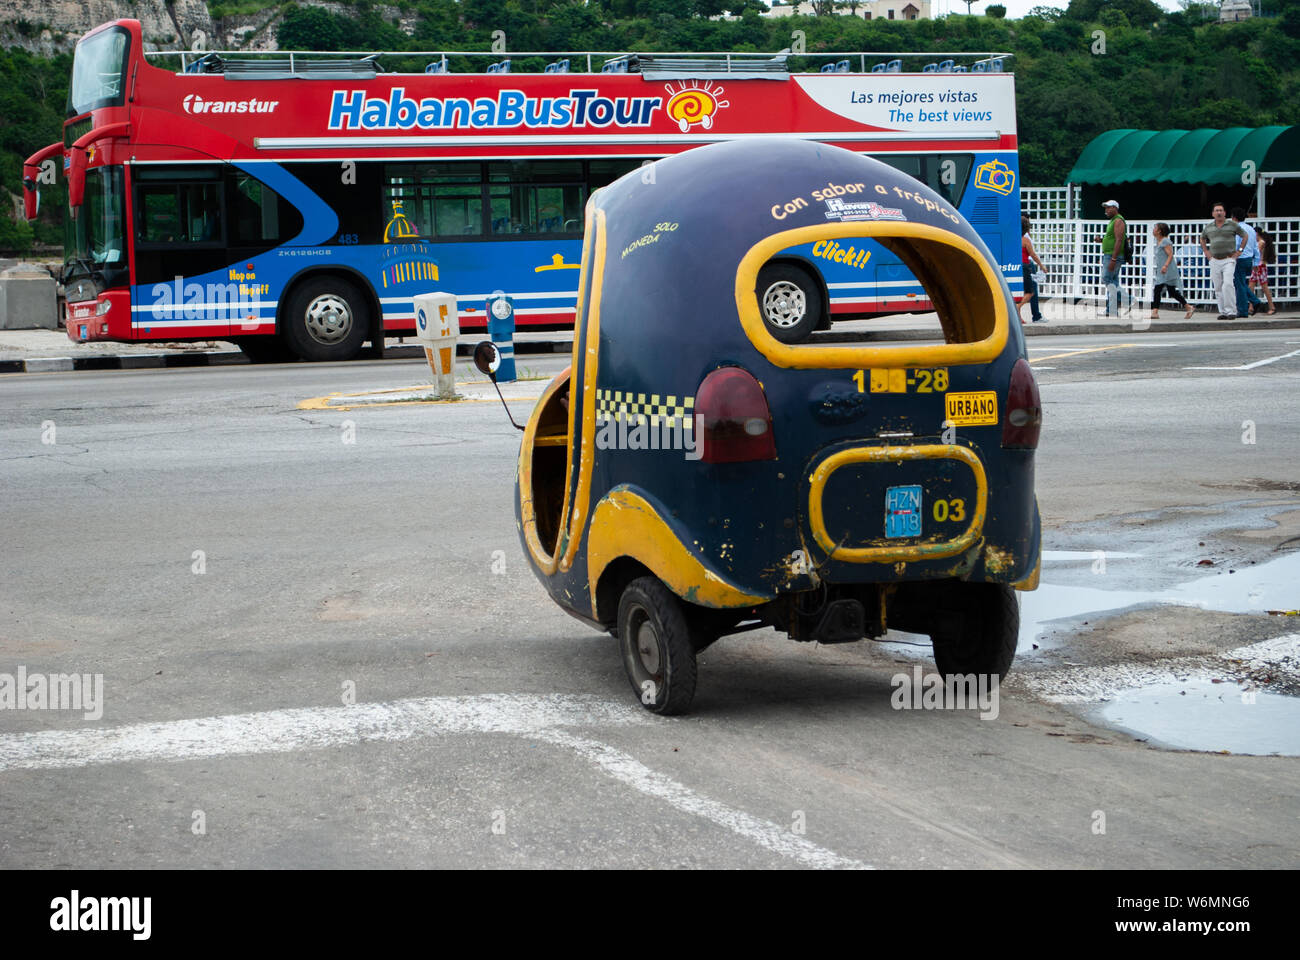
{"points": [[309, 28], [995, 10], [15, 235]]}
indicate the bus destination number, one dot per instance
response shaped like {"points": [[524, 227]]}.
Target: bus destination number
{"points": [[348, 238]]}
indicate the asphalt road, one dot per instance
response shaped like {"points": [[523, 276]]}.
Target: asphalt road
{"points": [[320, 644]]}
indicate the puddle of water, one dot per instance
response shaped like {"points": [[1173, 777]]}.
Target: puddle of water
{"points": [[1198, 714], [1274, 585], [1065, 556], [1054, 602]]}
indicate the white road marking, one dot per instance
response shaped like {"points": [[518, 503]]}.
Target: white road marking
{"points": [[313, 728], [1250, 366], [627, 769], [1135, 346]]}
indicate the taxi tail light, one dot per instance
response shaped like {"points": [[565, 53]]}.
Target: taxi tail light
{"points": [[1024, 410], [732, 418]]}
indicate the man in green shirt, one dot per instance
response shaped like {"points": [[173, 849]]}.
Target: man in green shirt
{"points": [[1114, 252], [1223, 241]]}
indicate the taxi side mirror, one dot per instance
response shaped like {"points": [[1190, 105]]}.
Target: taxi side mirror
{"points": [[487, 359]]}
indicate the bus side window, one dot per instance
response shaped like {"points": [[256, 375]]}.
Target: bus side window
{"points": [[186, 213], [157, 220], [945, 173], [535, 197], [439, 200], [201, 212], [257, 211]]}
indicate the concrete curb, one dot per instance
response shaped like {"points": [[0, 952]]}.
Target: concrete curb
{"points": [[1056, 328], [144, 361], [126, 361], [1155, 326]]}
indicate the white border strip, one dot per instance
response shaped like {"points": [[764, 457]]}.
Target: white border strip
{"points": [[574, 140]]}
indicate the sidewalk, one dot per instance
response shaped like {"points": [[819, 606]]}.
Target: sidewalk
{"points": [[45, 351], [1066, 319], [50, 351]]}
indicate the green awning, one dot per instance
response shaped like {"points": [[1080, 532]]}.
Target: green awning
{"points": [[1186, 156]]}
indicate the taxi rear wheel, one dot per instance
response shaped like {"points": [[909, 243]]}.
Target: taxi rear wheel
{"points": [[654, 638], [789, 300], [982, 639]]}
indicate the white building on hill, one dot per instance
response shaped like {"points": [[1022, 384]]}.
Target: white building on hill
{"points": [[868, 10]]}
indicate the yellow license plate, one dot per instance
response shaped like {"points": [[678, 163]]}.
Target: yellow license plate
{"points": [[971, 409]]}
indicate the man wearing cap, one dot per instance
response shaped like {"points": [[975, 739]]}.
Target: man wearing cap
{"points": [[1114, 251], [1223, 242]]}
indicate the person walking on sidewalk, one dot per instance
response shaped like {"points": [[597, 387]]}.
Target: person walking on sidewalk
{"points": [[1032, 294], [1259, 276], [1114, 252], [1166, 273], [1246, 301], [1222, 242]]}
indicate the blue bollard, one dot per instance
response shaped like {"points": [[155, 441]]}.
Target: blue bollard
{"points": [[501, 330]]}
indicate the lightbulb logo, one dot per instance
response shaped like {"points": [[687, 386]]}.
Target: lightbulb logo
{"points": [[692, 104]]}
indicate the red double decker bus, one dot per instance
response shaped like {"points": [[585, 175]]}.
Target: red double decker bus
{"points": [[295, 203]]}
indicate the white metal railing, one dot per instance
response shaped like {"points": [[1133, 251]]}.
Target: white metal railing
{"points": [[1071, 252], [594, 59], [1050, 203]]}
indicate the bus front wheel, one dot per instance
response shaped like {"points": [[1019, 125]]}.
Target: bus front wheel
{"points": [[326, 319]]}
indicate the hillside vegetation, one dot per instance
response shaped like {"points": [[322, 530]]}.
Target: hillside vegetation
{"points": [[1100, 64]]}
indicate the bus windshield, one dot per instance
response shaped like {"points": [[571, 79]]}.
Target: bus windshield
{"points": [[98, 72], [96, 234]]}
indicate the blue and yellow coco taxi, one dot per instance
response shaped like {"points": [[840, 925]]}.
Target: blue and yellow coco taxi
{"points": [[692, 476]]}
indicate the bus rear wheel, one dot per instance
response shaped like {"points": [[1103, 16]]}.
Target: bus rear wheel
{"points": [[325, 319], [790, 301]]}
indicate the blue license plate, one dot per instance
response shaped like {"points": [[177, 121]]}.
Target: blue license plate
{"points": [[903, 511], [84, 332]]}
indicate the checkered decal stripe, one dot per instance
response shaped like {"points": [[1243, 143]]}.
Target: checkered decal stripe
{"points": [[651, 408]]}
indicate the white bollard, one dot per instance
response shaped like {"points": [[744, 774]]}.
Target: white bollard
{"points": [[437, 326]]}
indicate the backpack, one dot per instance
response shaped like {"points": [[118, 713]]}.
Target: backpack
{"points": [[1130, 254]]}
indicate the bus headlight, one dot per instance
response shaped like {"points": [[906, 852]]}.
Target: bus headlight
{"points": [[103, 307]]}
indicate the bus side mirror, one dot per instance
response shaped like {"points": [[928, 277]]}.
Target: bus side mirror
{"points": [[31, 199], [77, 179], [37, 169]]}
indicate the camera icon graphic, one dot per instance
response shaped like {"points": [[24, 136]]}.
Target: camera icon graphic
{"points": [[996, 176]]}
